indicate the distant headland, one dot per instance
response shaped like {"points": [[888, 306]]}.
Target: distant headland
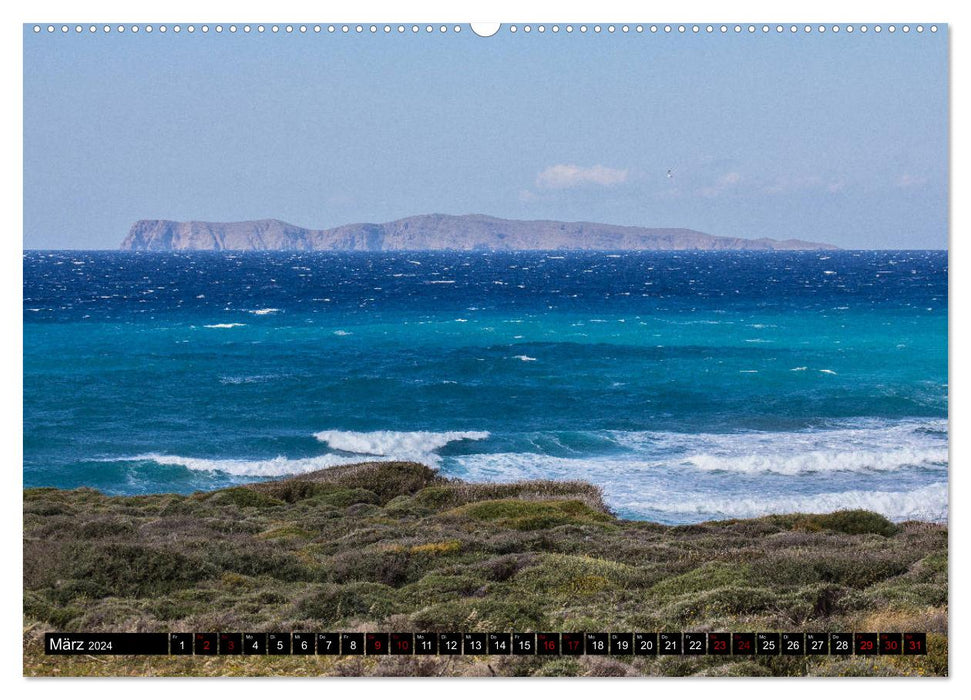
{"points": [[436, 232]]}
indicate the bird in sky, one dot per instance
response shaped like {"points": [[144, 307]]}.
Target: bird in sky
{"points": [[670, 174]]}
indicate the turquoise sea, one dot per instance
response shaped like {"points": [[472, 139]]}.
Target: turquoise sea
{"points": [[688, 385]]}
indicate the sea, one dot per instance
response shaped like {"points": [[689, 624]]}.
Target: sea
{"points": [[689, 386]]}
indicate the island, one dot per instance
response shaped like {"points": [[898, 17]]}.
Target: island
{"points": [[435, 232]]}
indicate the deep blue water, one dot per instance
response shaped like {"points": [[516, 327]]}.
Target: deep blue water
{"points": [[689, 385]]}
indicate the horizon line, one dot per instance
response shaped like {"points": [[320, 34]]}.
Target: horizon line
{"points": [[493, 250]]}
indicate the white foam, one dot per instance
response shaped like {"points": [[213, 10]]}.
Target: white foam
{"points": [[830, 460], [417, 445], [263, 312], [524, 358], [225, 325], [927, 503], [386, 445], [277, 466], [861, 447]]}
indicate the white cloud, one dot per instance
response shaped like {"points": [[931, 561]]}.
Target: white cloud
{"points": [[561, 177]]}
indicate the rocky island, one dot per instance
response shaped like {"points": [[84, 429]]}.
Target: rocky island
{"points": [[436, 232]]}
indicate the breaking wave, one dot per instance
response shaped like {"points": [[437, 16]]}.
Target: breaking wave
{"points": [[416, 445], [384, 444], [927, 503], [277, 466], [861, 448]]}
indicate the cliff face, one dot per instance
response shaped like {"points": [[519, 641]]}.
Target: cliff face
{"points": [[267, 234], [436, 232]]}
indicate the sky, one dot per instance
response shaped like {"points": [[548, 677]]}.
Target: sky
{"points": [[833, 137]]}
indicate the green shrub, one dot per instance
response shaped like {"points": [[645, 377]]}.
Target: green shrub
{"points": [[857, 569], [332, 603], [257, 559], [438, 588], [856, 522], [703, 578], [403, 506], [242, 497], [106, 527], [291, 490], [931, 568], [456, 493], [786, 568], [437, 497], [482, 614], [565, 576], [730, 601], [131, 569], [505, 567], [850, 522], [286, 531], [385, 479], [530, 515], [391, 567], [897, 594], [37, 607], [342, 498]]}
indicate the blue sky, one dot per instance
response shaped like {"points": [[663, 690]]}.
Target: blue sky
{"points": [[834, 137]]}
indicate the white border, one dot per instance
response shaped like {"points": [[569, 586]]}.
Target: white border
{"points": [[602, 11]]}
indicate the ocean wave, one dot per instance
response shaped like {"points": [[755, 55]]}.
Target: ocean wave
{"points": [[928, 503], [224, 325], [384, 445], [416, 445], [277, 466], [263, 312], [831, 460], [858, 447]]}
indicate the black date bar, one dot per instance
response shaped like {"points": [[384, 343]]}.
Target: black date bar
{"points": [[103, 643]]}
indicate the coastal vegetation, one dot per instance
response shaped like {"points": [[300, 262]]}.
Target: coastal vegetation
{"points": [[396, 547]]}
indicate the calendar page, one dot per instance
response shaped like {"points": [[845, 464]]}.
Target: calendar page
{"points": [[544, 349]]}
